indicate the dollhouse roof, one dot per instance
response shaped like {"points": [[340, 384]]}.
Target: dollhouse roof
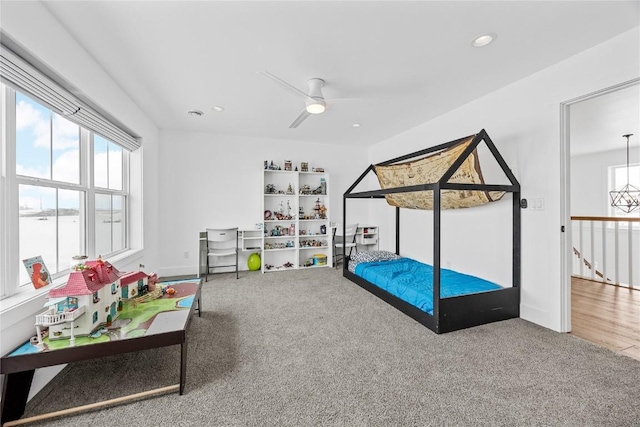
{"points": [[86, 282], [132, 277], [106, 272]]}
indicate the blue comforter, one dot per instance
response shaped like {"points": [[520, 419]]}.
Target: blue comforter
{"points": [[412, 281]]}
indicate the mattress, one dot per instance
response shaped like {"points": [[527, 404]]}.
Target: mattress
{"points": [[412, 281]]}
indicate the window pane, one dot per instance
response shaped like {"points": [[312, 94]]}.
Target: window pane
{"points": [[115, 166], [33, 138], [103, 224], [66, 150], [118, 224], [100, 162], [37, 226], [69, 226], [110, 224]]}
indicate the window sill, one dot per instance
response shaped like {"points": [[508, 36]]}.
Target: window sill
{"points": [[27, 302]]}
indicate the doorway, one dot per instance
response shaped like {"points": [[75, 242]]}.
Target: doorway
{"points": [[591, 142]]}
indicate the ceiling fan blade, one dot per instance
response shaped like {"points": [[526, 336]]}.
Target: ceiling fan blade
{"points": [[301, 118], [284, 84]]}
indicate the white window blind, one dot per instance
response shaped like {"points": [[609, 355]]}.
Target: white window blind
{"points": [[16, 72]]}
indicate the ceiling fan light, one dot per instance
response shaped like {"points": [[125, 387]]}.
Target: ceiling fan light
{"points": [[316, 107]]}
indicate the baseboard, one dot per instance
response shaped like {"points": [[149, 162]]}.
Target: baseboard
{"points": [[539, 317]]}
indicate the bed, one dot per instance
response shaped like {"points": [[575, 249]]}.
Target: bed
{"points": [[446, 176], [412, 281]]}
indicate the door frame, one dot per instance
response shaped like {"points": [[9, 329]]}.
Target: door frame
{"points": [[565, 197]]}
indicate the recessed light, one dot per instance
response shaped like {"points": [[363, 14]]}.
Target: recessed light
{"points": [[195, 113], [355, 125], [218, 109], [483, 40]]}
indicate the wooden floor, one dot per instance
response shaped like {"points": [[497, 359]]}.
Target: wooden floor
{"points": [[606, 315]]}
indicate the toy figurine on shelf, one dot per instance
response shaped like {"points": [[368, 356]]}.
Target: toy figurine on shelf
{"points": [[290, 189], [305, 189], [323, 211], [273, 167], [317, 209], [270, 189]]}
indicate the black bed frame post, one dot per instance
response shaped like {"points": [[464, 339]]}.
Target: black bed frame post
{"points": [[397, 230], [516, 220], [344, 233], [436, 256], [516, 240]]}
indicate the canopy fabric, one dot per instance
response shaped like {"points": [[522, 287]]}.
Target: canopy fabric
{"points": [[429, 170]]}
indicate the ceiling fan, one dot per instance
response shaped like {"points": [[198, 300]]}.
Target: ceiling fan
{"points": [[314, 100]]}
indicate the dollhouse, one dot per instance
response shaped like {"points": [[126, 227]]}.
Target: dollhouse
{"points": [[91, 298]]}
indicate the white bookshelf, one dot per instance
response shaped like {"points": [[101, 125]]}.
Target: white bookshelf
{"points": [[296, 218]]}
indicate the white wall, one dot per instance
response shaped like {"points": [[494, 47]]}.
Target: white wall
{"points": [[31, 26], [523, 120], [216, 181], [589, 180]]}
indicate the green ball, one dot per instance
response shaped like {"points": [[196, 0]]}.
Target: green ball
{"points": [[254, 262]]}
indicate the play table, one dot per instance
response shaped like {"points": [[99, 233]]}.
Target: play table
{"points": [[140, 326]]}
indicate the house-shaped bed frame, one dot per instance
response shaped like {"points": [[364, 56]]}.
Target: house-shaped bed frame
{"points": [[454, 313]]}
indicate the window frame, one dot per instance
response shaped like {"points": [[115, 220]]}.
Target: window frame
{"points": [[10, 181]]}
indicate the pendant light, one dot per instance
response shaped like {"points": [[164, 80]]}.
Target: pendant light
{"points": [[627, 197]]}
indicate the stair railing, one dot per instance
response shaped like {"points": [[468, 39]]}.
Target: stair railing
{"points": [[608, 249]]}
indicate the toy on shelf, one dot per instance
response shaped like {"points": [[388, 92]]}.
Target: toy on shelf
{"points": [[91, 298]]}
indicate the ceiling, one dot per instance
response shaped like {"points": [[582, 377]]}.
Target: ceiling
{"points": [[399, 64]]}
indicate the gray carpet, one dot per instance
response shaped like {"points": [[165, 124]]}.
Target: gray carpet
{"points": [[308, 347]]}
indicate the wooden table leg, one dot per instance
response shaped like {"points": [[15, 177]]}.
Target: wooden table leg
{"points": [[15, 392], [183, 365]]}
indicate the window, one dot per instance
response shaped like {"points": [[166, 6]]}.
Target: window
{"points": [[617, 179], [65, 190]]}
